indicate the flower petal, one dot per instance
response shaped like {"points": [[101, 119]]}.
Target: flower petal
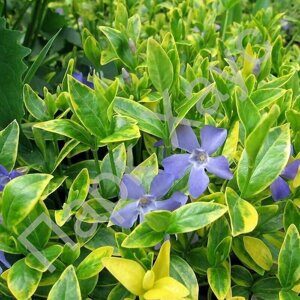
{"points": [[198, 182], [280, 189], [176, 164], [185, 138], [131, 188], [291, 169], [176, 200], [161, 184], [3, 260], [3, 171], [126, 216], [219, 166], [212, 138]]}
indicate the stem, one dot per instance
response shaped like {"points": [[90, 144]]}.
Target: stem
{"points": [[112, 161], [96, 160], [22, 13], [225, 24]]}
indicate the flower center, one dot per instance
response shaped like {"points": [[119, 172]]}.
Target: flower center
{"points": [[146, 200], [198, 157]]}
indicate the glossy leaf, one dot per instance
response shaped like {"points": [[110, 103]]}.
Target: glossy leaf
{"points": [[21, 195], [9, 141], [194, 216]]}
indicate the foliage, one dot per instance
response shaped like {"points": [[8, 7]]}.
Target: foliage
{"points": [[151, 150]]}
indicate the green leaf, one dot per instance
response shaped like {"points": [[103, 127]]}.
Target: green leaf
{"points": [[243, 215], [266, 288], [21, 195], [120, 45], [9, 141], [39, 234], [109, 187], [289, 259], [194, 216], [146, 171], [240, 251], [76, 196], [254, 178], [241, 276], [34, 104], [259, 252], [291, 215], [159, 221], [147, 120], [70, 253], [119, 292], [39, 60], [249, 120], [230, 146], [88, 108], [288, 295], [42, 260], [219, 280], [187, 105], [67, 128], [22, 281], [12, 68], [125, 129], [265, 97], [219, 242], [143, 236], [182, 272], [293, 117], [160, 68], [66, 287], [92, 264], [258, 135]]}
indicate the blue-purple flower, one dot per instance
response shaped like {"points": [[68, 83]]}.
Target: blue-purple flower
{"points": [[6, 176], [3, 261], [143, 201], [279, 188], [79, 76], [198, 160]]}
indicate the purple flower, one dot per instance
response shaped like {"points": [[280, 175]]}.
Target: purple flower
{"points": [[279, 188], [6, 176], [79, 76], [198, 160], [3, 261], [144, 201]]}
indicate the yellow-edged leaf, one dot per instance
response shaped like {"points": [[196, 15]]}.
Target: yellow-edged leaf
{"points": [[243, 215], [259, 252], [128, 272], [161, 267]]}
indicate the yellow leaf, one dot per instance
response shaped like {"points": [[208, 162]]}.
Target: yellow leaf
{"points": [[296, 181], [148, 280], [231, 143], [172, 285], [128, 272], [161, 294], [249, 61], [259, 252], [161, 267]]}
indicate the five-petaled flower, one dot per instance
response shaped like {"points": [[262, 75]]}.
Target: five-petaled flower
{"points": [[279, 188], [144, 201], [6, 176], [198, 159]]}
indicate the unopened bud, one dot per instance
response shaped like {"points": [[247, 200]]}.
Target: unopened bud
{"points": [[131, 45], [126, 76]]}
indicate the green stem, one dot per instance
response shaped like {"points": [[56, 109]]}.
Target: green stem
{"points": [[112, 161], [225, 24], [22, 13], [96, 161]]}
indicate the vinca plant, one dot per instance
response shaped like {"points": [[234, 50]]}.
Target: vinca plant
{"points": [[150, 150]]}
